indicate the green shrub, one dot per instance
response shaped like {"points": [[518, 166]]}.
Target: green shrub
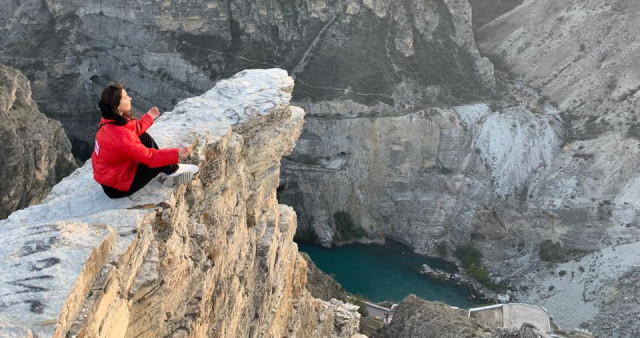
{"points": [[562, 273], [306, 234], [468, 255], [358, 300], [552, 252], [441, 248], [470, 259]]}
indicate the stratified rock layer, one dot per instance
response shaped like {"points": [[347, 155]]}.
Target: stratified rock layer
{"points": [[36, 153], [214, 258]]}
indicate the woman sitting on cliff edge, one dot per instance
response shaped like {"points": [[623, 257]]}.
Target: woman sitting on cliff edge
{"points": [[125, 157]]}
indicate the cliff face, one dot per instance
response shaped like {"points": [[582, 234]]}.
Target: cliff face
{"points": [[580, 55], [425, 177], [212, 258], [36, 153], [166, 51], [504, 182]]}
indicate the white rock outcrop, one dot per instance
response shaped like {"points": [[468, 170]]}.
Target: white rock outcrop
{"points": [[213, 258]]}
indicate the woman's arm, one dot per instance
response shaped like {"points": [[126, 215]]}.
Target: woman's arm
{"points": [[147, 120], [152, 158]]}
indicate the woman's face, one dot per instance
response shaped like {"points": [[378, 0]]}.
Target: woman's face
{"points": [[125, 102]]}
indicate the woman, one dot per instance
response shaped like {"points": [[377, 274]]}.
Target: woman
{"points": [[125, 157]]}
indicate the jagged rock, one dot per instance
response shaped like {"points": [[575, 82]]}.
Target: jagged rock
{"points": [[214, 258], [525, 331], [415, 317], [36, 153]]}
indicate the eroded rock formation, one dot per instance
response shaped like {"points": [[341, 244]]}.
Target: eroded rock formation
{"points": [[36, 153], [213, 258]]}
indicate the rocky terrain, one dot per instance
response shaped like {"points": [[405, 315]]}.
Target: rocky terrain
{"points": [[165, 51], [415, 317], [36, 153], [543, 175], [580, 55], [213, 258]]}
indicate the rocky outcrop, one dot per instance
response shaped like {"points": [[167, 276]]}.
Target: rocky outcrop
{"points": [[415, 317], [36, 153], [164, 51], [213, 258]]}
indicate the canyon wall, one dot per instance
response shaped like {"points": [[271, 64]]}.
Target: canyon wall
{"points": [[36, 153], [580, 55], [165, 51], [212, 258]]}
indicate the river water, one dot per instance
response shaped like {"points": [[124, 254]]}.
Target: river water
{"points": [[386, 272]]}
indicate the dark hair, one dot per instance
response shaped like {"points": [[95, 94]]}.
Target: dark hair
{"points": [[110, 100]]}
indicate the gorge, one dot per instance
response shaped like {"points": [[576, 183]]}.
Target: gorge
{"points": [[410, 132]]}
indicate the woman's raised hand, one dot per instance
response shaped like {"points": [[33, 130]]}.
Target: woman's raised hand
{"points": [[154, 112], [184, 152]]}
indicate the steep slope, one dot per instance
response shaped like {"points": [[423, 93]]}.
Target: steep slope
{"points": [[36, 153], [214, 258], [582, 56]]}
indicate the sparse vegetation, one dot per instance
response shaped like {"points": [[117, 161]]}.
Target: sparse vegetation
{"points": [[471, 260], [555, 253], [442, 248], [346, 228], [562, 273], [358, 300], [306, 234], [551, 287]]}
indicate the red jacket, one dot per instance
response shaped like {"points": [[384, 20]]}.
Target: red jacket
{"points": [[118, 151]]}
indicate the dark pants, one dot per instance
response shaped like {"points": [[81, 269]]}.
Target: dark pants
{"points": [[143, 174]]}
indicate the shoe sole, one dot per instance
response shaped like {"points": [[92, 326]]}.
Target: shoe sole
{"points": [[181, 178]]}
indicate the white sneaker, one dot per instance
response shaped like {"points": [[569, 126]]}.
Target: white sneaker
{"points": [[184, 174]]}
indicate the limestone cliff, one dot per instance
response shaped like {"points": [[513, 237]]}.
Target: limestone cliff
{"points": [[165, 51], [580, 55], [36, 153], [213, 258]]}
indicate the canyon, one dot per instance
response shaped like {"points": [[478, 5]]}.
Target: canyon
{"points": [[410, 132]]}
